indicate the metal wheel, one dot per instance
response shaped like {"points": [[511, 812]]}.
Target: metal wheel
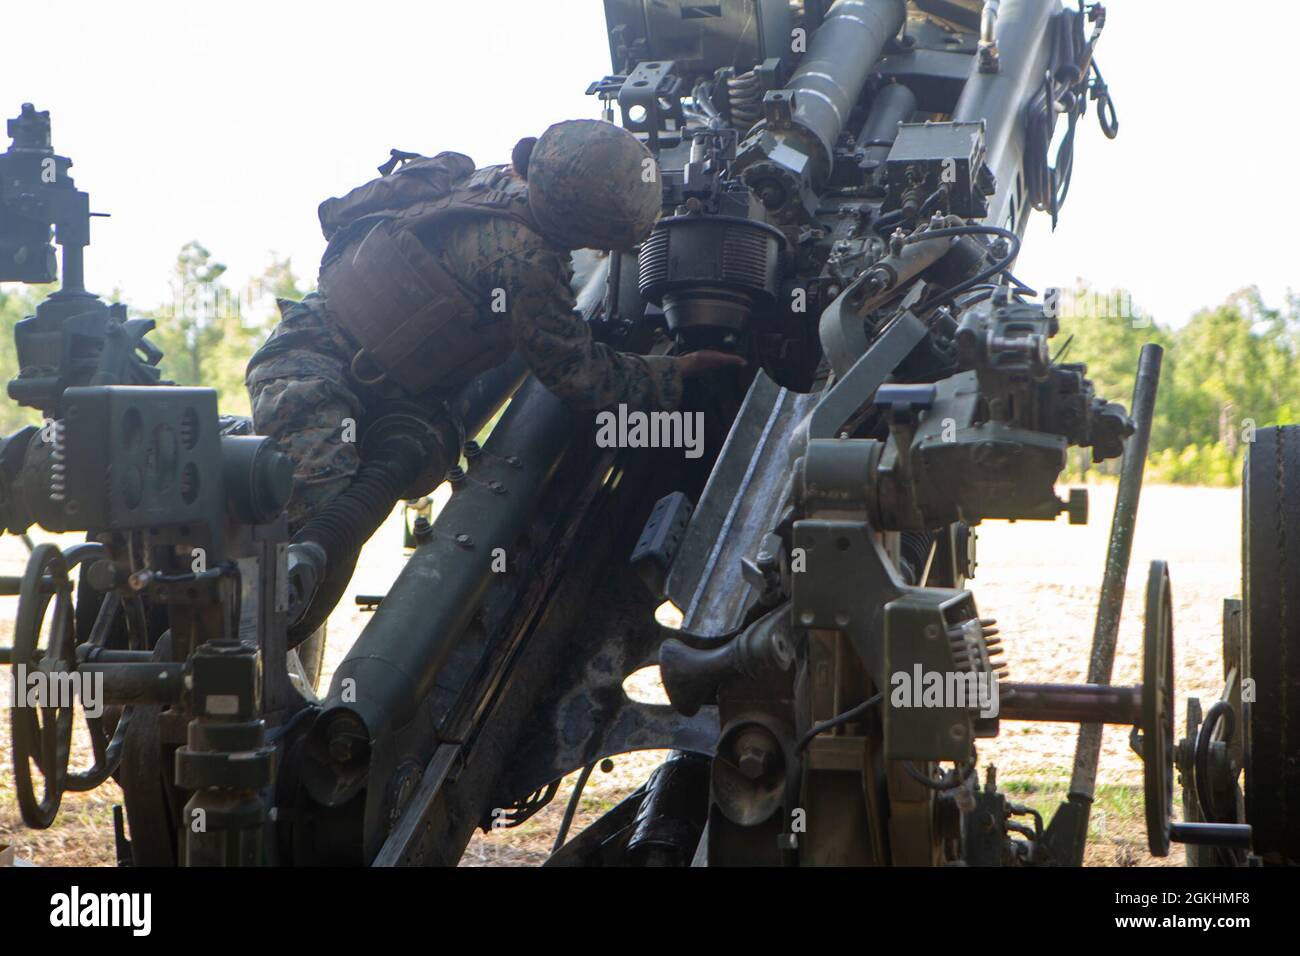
{"points": [[42, 735], [1158, 708], [1270, 556]]}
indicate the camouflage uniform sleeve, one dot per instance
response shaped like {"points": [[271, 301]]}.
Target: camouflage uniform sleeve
{"points": [[557, 344]]}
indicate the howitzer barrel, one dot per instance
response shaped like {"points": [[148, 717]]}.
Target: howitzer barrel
{"points": [[478, 401], [395, 662]]}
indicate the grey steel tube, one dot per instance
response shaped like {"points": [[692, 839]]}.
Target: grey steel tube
{"points": [[892, 105], [1232, 835], [999, 98], [781, 161], [1106, 630], [138, 683], [395, 662], [1070, 703], [478, 401], [473, 406], [830, 79]]}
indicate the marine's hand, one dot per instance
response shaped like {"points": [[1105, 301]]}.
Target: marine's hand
{"points": [[705, 360]]}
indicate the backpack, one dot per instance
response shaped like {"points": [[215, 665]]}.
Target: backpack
{"points": [[410, 316], [417, 181]]}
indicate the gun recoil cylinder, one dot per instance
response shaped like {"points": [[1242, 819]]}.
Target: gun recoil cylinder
{"points": [[788, 154], [892, 105]]}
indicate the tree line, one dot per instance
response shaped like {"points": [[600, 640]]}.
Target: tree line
{"points": [[207, 329], [1227, 372]]}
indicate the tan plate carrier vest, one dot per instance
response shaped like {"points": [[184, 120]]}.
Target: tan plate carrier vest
{"points": [[417, 324]]}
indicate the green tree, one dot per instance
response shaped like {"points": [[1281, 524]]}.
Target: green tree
{"points": [[205, 333], [1233, 364], [1106, 331], [1229, 369]]}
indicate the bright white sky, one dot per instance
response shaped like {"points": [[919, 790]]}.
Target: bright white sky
{"points": [[229, 123]]}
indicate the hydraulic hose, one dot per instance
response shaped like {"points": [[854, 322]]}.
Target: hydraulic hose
{"points": [[324, 551]]}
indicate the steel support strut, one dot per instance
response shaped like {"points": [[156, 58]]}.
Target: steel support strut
{"points": [[1069, 831]]}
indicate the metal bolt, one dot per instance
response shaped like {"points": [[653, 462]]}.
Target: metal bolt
{"points": [[752, 764], [105, 575], [753, 754]]}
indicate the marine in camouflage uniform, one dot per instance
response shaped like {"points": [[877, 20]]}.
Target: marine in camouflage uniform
{"points": [[309, 393]]}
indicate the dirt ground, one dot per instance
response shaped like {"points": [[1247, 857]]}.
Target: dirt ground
{"points": [[1039, 580]]}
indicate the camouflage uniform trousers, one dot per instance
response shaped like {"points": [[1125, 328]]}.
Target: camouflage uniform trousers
{"points": [[305, 397]]}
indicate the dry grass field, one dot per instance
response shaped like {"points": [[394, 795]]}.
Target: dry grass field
{"points": [[1039, 580]]}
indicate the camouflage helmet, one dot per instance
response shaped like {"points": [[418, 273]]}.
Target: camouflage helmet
{"points": [[593, 185]]}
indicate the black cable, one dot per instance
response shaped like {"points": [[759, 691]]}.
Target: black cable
{"points": [[1020, 286], [288, 726], [1071, 78], [1106, 115], [1060, 353], [849, 715], [970, 229], [987, 290], [529, 807], [572, 808]]}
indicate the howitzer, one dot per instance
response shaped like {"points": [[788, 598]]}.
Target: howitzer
{"points": [[846, 186]]}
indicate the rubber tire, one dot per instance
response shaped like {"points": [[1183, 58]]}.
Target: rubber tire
{"points": [[1270, 554]]}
